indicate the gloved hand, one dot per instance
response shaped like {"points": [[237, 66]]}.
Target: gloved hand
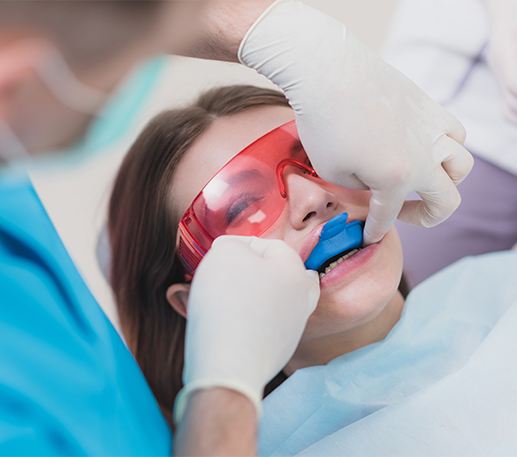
{"points": [[363, 124], [248, 306], [503, 50]]}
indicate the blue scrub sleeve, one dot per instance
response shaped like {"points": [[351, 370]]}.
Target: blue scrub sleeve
{"points": [[29, 412], [68, 385]]}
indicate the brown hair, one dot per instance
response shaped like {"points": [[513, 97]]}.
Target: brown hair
{"points": [[142, 232]]}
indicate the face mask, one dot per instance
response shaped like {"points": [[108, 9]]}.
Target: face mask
{"points": [[109, 125], [63, 84]]}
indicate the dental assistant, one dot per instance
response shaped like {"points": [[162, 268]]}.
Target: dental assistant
{"points": [[469, 63], [68, 385]]}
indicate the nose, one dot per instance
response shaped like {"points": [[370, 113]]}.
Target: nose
{"points": [[309, 202]]}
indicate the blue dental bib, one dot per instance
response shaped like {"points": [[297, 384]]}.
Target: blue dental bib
{"points": [[336, 237]]}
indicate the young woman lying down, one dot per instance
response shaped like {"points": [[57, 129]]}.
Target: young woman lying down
{"points": [[232, 163]]}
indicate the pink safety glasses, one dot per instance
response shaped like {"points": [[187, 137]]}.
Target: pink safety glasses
{"points": [[246, 197]]}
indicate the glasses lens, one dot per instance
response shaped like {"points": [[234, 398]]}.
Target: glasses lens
{"points": [[244, 198]]}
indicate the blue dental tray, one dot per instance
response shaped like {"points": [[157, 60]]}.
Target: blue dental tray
{"points": [[337, 236]]}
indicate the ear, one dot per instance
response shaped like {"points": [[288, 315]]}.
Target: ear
{"points": [[177, 296], [18, 60]]}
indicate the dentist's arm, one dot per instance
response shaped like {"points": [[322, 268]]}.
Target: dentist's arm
{"points": [[247, 309], [212, 29], [218, 422]]}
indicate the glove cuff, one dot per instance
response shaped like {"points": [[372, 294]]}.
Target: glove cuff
{"points": [[253, 27], [181, 401]]}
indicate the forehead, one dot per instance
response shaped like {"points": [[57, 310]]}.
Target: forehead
{"points": [[224, 139]]}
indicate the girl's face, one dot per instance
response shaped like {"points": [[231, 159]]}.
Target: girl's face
{"points": [[357, 290]]}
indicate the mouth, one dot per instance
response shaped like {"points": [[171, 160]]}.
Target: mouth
{"points": [[338, 241], [338, 259]]}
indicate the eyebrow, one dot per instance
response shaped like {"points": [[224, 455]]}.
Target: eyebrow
{"points": [[243, 176], [237, 178]]}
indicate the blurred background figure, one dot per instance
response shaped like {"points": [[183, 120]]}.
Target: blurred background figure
{"points": [[464, 54]]}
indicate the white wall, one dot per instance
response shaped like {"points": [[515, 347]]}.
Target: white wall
{"points": [[76, 197]]}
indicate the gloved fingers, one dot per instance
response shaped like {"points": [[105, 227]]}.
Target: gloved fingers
{"points": [[278, 250], [453, 127], [314, 290], [384, 209], [439, 201], [511, 103], [313, 276], [286, 257], [457, 132], [456, 160], [352, 181], [258, 245], [232, 239], [262, 247], [235, 245], [506, 72], [511, 81], [511, 114]]}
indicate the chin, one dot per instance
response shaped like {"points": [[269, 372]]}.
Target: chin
{"points": [[353, 303]]}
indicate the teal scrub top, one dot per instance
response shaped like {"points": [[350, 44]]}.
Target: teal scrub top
{"points": [[68, 384]]}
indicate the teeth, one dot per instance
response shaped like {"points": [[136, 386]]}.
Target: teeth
{"points": [[337, 262], [350, 254]]}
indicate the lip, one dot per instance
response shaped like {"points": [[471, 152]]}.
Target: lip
{"points": [[311, 242], [351, 268], [313, 238]]}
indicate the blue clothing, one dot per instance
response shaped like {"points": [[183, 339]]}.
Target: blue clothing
{"points": [[68, 384], [448, 363]]}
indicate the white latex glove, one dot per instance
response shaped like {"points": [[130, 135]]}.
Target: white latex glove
{"points": [[248, 307], [362, 122], [503, 50]]}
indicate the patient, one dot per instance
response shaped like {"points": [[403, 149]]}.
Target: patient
{"points": [[168, 165], [365, 348]]}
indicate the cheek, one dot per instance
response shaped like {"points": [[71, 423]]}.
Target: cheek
{"points": [[364, 299], [281, 230]]}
